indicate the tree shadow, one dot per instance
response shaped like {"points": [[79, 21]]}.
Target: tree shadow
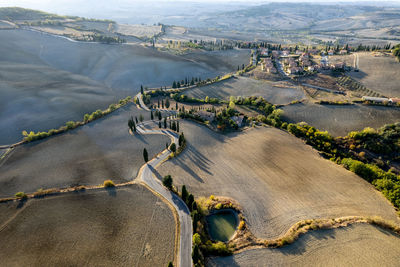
{"points": [[141, 138], [155, 172], [299, 246], [21, 203], [111, 191]]}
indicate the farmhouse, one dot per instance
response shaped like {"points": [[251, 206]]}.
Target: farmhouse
{"points": [[375, 99], [331, 52], [205, 115], [238, 120]]}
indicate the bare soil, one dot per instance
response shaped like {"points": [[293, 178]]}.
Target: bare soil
{"points": [[122, 227], [357, 245], [274, 92], [339, 120], [276, 178], [47, 80], [88, 155]]}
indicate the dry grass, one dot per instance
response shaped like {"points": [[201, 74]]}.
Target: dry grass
{"points": [[120, 227]]}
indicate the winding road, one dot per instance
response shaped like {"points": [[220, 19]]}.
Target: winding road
{"points": [[147, 175]]}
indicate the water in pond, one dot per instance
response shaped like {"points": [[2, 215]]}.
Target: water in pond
{"points": [[222, 226]]}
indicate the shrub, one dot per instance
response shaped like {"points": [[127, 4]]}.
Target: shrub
{"points": [[241, 225], [218, 248], [167, 182], [197, 239], [70, 125], [21, 195], [108, 183], [218, 206]]}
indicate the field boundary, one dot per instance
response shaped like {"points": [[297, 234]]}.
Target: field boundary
{"points": [[245, 240]]}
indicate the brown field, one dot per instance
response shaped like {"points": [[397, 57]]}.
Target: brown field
{"points": [[358, 245], [275, 92], [340, 120], [276, 178], [379, 73], [138, 30], [88, 155], [123, 227]]}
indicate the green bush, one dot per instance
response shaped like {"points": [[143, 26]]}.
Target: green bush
{"points": [[21, 195], [108, 183], [70, 125]]}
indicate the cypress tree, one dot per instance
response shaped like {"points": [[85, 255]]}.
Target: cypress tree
{"points": [[145, 155], [184, 193]]}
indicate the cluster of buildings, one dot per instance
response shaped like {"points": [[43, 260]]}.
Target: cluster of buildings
{"points": [[210, 116], [382, 100], [299, 61], [268, 66]]}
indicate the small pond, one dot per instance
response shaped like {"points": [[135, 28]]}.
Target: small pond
{"points": [[222, 225]]}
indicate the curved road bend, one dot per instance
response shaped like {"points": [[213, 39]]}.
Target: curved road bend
{"points": [[147, 176]]}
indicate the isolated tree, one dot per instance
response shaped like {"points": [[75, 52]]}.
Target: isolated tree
{"points": [[166, 145], [159, 116], [196, 254], [141, 89], [172, 147], [141, 118], [162, 103], [167, 103], [174, 85], [170, 124], [177, 126], [151, 115], [176, 105], [165, 123], [185, 193], [167, 181], [130, 123], [170, 264], [136, 119], [158, 103], [145, 155], [159, 124], [173, 126]]}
